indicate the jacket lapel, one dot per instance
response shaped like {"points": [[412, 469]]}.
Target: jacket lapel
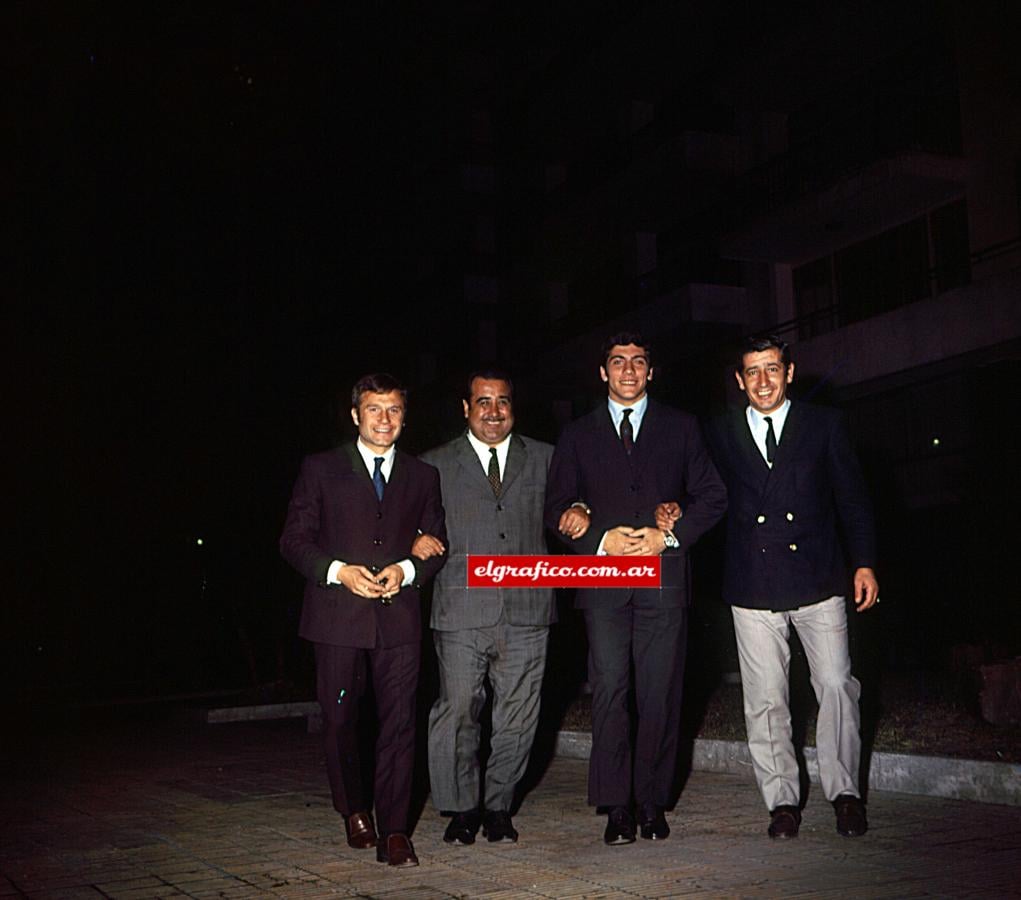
{"points": [[787, 448], [358, 469], [517, 456]]}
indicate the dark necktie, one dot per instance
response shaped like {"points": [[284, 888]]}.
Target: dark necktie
{"points": [[770, 440], [627, 433], [493, 473], [377, 478]]}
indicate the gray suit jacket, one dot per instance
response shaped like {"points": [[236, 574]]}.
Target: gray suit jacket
{"points": [[479, 523]]}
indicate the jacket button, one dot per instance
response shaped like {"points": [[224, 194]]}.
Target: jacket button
{"points": [[378, 542], [790, 517], [794, 548], [499, 507], [379, 515], [503, 537], [760, 519]]}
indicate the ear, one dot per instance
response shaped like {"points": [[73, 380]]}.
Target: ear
{"points": [[740, 381], [650, 374], [602, 374], [790, 373], [464, 403], [354, 416]]}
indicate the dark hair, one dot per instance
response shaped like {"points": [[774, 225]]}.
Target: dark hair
{"points": [[489, 374], [622, 339], [758, 343], [377, 383]]}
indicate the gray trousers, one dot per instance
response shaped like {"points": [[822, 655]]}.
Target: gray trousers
{"points": [[764, 654], [514, 658]]}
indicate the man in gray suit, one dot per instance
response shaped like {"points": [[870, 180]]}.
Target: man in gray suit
{"points": [[493, 484]]}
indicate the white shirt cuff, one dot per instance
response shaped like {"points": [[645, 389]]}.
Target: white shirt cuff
{"points": [[333, 572]]}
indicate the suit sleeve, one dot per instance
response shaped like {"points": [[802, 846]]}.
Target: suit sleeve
{"points": [[564, 486], [706, 495], [851, 497], [432, 521], [299, 540]]}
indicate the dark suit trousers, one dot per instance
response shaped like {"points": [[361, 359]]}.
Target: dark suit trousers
{"points": [[341, 674], [654, 641]]}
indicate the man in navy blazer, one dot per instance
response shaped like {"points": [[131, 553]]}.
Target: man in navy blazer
{"points": [[354, 513], [609, 471], [795, 487]]}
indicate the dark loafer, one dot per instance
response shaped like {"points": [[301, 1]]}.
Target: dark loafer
{"points": [[652, 823], [463, 827], [361, 833], [396, 850], [784, 822], [851, 821], [498, 828], [620, 827]]}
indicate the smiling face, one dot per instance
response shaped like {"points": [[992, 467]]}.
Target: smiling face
{"points": [[627, 373], [764, 379], [380, 418], [490, 411]]}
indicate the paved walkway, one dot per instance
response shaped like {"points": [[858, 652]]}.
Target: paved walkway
{"points": [[242, 810]]}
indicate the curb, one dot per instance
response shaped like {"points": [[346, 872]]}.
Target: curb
{"points": [[932, 776]]}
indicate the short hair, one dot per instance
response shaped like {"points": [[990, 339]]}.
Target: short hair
{"points": [[622, 339], [760, 342], [489, 373], [377, 383]]}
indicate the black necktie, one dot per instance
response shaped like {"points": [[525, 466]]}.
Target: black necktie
{"points": [[770, 440], [377, 478], [493, 474], [627, 433]]}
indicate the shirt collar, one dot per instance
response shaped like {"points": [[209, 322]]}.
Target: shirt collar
{"points": [[757, 421], [637, 411], [369, 457]]}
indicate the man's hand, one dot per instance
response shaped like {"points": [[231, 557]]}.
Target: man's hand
{"points": [[667, 515], [574, 522], [866, 589], [360, 581], [426, 546], [651, 542], [621, 541], [390, 580]]}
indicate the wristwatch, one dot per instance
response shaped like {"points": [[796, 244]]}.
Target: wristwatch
{"points": [[671, 542]]}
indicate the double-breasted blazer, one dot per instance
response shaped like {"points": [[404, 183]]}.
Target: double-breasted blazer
{"points": [[334, 514], [478, 522], [785, 524], [669, 461]]}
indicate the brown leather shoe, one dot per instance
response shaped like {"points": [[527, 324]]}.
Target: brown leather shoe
{"points": [[851, 821], [784, 822], [396, 850], [361, 833]]}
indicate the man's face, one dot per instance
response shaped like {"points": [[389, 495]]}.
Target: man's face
{"points": [[379, 418], [626, 373], [764, 379], [490, 412]]}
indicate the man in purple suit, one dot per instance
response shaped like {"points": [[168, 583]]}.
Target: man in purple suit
{"points": [[622, 459], [354, 513]]}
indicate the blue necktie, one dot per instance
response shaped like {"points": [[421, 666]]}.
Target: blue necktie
{"points": [[377, 478]]}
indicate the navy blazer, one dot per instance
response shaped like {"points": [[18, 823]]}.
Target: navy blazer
{"points": [[784, 525], [334, 514], [669, 462]]}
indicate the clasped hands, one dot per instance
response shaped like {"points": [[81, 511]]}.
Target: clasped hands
{"points": [[624, 540], [364, 583]]}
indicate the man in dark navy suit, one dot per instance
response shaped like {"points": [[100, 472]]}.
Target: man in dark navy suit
{"points": [[609, 471], [354, 513], [793, 479]]}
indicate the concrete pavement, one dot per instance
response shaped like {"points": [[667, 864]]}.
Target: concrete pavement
{"points": [[151, 808]]}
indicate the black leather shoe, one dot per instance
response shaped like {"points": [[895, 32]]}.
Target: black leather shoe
{"points": [[361, 834], [463, 827], [652, 823], [620, 827], [784, 822], [396, 850], [498, 828], [851, 821]]}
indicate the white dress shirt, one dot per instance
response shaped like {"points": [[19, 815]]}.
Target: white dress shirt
{"points": [[758, 427]]}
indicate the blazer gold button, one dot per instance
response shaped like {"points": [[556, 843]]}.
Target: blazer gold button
{"points": [[794, 548], [760, 519], [790, 517]]}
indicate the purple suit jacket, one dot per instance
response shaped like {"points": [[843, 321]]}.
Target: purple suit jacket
{"points": [[334, 514], [669, 462]]}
